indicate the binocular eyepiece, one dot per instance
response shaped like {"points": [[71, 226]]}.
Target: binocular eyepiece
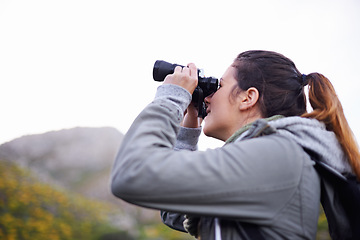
{"points": [[206, 85]]}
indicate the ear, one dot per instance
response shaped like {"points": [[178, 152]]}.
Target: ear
{"points": [[249, 98]]}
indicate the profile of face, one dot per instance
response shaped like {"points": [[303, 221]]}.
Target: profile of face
{"points": [[221, 110], [227, 111]]}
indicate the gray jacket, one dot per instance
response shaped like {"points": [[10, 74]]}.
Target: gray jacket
{"points": [[268, 181]]}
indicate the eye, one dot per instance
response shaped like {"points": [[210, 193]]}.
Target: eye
{"points": [[220, 83]]}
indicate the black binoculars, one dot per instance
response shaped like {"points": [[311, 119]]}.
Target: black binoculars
{"points": [[206, 85]]}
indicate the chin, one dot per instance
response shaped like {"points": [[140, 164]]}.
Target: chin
{"points": [[211, 134], [207, 131], [207, 134], [210, 128]]}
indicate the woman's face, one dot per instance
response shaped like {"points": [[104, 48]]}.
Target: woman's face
{"points": [[223, 114]]}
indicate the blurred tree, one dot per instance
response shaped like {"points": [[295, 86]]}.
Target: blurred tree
{"points": [[30, 209]]}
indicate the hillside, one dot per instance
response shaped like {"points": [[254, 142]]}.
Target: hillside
{"points": [[31, 209], [59, 171], [66, 156], [78, 161]]}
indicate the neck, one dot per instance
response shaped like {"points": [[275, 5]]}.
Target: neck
{"points": [[246, 127], [251, 117]]}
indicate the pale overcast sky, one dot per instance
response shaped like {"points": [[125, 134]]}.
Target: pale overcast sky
{"points": [[89, 63]]}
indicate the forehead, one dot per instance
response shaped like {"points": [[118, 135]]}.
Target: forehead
{"points": [[229, 74]]}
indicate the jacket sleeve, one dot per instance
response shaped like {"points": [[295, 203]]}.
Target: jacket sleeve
{"points": [[187, 138], [173, 220], [233, 181]]}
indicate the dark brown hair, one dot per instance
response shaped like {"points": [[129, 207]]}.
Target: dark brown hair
{"points": [[281, 92]]}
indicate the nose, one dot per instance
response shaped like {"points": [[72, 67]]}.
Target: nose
{"points": [[207, 99]]}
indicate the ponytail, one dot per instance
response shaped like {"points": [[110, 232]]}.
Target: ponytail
{"points": [[327, 108], [281, 90]]}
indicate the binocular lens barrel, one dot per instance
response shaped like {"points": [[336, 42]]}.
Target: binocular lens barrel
{"points": [[162, 69], [206, 86]]}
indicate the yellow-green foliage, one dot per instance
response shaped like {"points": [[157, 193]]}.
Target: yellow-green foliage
{"points": [[160, 231], [30, 209], [323, 231]]}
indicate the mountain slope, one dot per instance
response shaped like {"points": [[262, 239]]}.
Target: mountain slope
{"points": [[79, 159]]}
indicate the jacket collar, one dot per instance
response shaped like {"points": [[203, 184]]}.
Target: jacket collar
{"points": [[254, 129]]}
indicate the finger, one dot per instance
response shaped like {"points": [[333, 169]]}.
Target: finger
{"points": [[193, 69], [200, 120], [186, 70], [178, 69]]}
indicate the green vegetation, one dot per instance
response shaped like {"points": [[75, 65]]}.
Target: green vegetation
{"points": [[31, 209], [323, 229]]}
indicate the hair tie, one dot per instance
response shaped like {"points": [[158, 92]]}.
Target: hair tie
{"points": [[303, 80]]}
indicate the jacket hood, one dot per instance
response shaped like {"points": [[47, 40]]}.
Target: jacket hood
{"points": [[311, 134]]}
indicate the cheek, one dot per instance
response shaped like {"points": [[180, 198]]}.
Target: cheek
{"points": [[209, 124], [214, 122]]}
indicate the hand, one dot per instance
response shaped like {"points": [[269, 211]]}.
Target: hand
{"points": [[191, 225], [191, 119], [186, 77]]}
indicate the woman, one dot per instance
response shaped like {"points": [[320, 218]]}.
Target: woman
{"points": [[261, 183]]}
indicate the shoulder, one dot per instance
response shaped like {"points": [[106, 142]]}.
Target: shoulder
{"points": [[274, 157], [274, 146]]}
